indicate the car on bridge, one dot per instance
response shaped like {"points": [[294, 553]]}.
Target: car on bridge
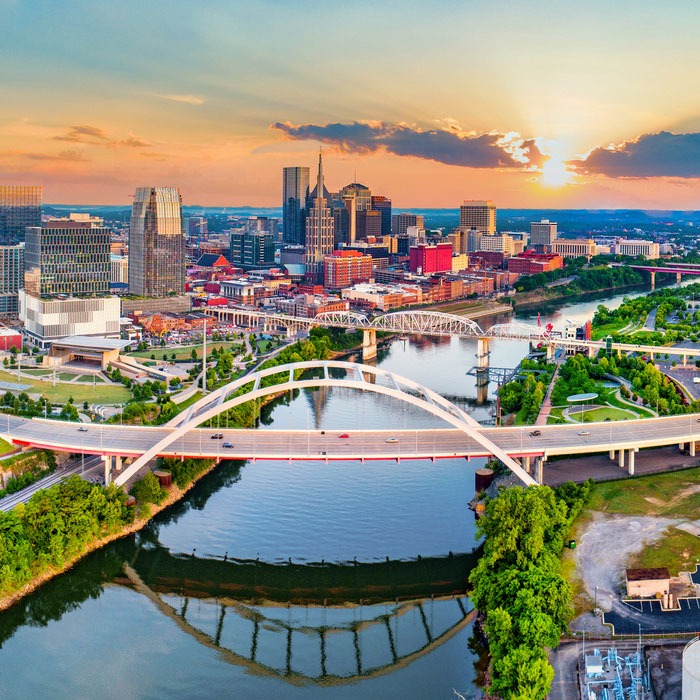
{"points": [[392, 440], [535, 433], [217, 436], [584, 432], [82, 429], [343, 435], [227, 444]]}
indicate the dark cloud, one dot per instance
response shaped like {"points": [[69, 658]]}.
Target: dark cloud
{"points": [[131, 141], [84, 134], [95, 136], [451, 146], [62, 155], [651, 155]]}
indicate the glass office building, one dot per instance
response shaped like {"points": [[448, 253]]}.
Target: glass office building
{"points": [[156, 243], [20, 206], [67, 256]]}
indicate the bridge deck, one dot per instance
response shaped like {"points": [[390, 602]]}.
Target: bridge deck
{"points": [[132, 441]]}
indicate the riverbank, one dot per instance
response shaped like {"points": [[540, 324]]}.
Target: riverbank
{"points": [[174, 494], [551, 295]]}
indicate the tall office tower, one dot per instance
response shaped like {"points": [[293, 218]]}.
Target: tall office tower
{"points": [[20, 206], [542, 233], [295, 191], [478, 214], [401, 222], [66, 281], [252, 249], [156, 243], [196, 226], [341, 225], [11, 278], [319, 231], [358, 200], [372, 222], [67, 256], [383, 205]]}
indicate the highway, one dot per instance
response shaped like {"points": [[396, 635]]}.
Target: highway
{"points": [[133, 441]]}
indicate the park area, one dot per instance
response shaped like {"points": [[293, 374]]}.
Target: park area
{"points": [[98, 392]]}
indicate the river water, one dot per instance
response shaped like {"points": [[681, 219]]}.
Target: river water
{"points": [[157, 615]]}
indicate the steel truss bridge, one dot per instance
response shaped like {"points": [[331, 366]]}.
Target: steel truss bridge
{"points": [[439, 324]]}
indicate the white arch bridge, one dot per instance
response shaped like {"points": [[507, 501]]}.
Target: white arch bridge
{"points": [[520, 448]]}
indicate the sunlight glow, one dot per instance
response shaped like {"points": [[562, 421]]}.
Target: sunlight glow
{"points": [[555, 173]]}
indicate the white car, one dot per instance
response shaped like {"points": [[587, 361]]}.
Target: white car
{"points": [[391, 440]]}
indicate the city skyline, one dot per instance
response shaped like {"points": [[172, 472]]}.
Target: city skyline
{"points": [[544, 104]]}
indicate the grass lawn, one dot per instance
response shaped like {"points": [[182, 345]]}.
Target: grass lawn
{"points": [[607, 412], [264, 346], [672, 495], [104, 394], [5, 447], [600, 332], [181, 353], [676, 551]]}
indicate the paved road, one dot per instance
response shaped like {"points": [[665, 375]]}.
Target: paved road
{"points": [[572, 439]]}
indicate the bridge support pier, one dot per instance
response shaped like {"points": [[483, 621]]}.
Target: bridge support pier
{"points": [[539, 468], [526, 464], [630, 462], [111, 463], [653, 281], [482, 352], [691, 448], [621, 459], [679, 277], [550, 352], [369, 344], [612, 455]]}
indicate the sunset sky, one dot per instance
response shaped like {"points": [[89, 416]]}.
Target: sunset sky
{"points": [[531, 103]]}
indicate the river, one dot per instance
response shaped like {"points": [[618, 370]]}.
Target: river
{"points": [[157, 615]]}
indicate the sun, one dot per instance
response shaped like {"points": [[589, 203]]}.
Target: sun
{"points": [[555, 173]]}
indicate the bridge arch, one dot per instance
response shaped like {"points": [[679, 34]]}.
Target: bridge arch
{"points": [[427, 322], [216, 403], [518, 331], [341, 319]]}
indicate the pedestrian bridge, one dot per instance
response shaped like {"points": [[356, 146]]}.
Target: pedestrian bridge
{"points": [[523, 449], [435, 323]]}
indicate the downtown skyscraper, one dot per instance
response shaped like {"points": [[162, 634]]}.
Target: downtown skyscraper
{"points": [[295, 190], [319, 231], [156, 243], [20, 206]]}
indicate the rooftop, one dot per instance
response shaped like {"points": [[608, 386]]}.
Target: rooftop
{"points": [[89, 343], [647, 574]]}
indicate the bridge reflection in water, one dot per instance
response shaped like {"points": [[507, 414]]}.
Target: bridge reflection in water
{"points": [[319, 623]]}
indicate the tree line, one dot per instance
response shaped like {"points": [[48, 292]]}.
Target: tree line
{"points": [[518, 586]]}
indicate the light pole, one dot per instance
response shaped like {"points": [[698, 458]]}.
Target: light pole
{"points": [[595, 603]]}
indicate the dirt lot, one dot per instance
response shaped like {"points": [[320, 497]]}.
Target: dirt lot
{"points": [[605, 547]]}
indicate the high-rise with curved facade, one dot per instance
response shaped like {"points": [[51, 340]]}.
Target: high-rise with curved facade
{"points": [[156, 243]]}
